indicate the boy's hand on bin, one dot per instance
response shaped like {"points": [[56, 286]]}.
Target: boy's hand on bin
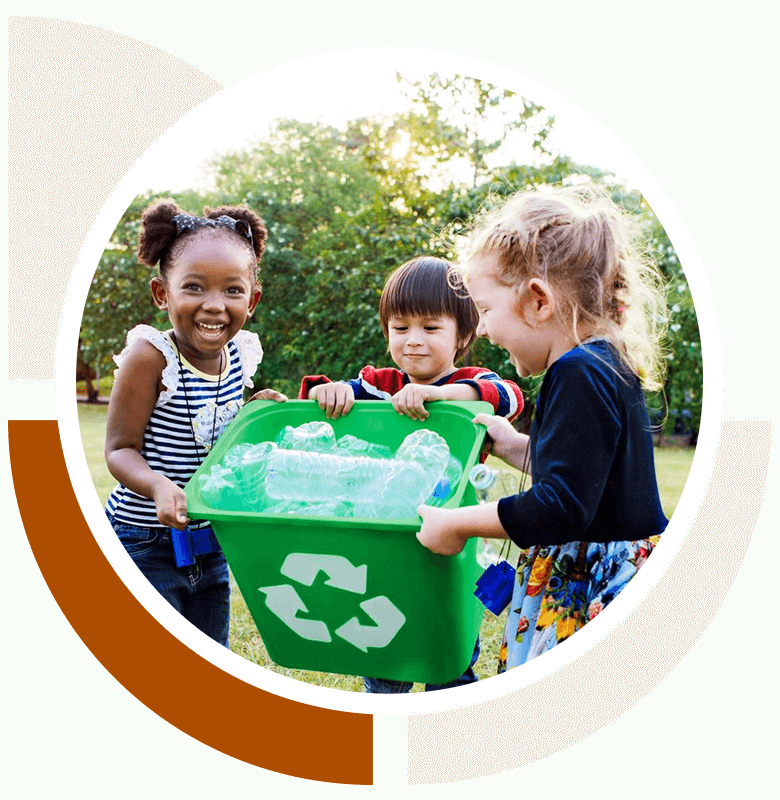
{"points": [[268, 394], [171, 504], [335, 399], [411, 398]]}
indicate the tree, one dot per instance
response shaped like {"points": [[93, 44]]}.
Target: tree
{"points": [[681, 401], [119, 295], [476, 122], [346, 205]]}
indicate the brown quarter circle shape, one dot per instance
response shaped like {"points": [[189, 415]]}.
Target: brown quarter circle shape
{"points": [[338, 744]]}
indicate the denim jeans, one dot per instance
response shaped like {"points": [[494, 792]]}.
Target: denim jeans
{"points": [[382, 686], [200, 593]]}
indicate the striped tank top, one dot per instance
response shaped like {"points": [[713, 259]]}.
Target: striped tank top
{"points": [[186, 417]]}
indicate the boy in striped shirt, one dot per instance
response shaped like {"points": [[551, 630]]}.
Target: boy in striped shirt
{"points": [[429, 326]]}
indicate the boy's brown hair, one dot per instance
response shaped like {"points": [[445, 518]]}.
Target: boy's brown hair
{"points": [[422, 287]]}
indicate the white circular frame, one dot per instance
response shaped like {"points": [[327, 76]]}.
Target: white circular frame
{"points": [[624, 163]]}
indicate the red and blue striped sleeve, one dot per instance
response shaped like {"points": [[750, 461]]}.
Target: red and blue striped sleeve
{"points": [[309, 382], [505, 396], [371, 383], [377, 384]]}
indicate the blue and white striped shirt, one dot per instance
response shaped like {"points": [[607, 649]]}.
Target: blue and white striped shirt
{"points": [[177, 437]]}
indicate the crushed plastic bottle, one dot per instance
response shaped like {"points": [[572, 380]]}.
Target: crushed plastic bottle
{"points": [[312, 437], [249, 468], [307, 471], [376, 487], [218, 487], [317, 477], [404, 485], [448, 484], [426, 447], [236, 454], [353, 446]]}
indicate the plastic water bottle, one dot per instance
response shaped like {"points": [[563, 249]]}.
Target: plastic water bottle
{"points": [[313, 437], [351, 445], [426, 447], [378, 488], [331, 509], [249, 470], [218, 487], [448, 484], [491, 485], [307, 471], [317, 477], [404, 486]]}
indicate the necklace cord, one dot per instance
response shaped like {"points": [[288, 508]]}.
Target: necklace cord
{"points": [[187, 399], [507, 546]]}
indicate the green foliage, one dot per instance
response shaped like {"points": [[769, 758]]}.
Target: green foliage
{"points": [[119, 295], [682, 393], [345, 206]]}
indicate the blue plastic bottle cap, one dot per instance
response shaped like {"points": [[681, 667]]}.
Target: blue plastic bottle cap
{"points": [[442, 489]]}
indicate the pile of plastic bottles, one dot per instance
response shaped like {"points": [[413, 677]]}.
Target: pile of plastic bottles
{"points": [[307, 470]]}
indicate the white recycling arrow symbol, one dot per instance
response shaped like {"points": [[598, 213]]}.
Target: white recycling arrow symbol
{"points": [[304, 567], [388, 622], [283, 601]]}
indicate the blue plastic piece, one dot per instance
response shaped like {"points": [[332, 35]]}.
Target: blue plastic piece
{"points": [[494, 587], [189, 544], [442, 490]]}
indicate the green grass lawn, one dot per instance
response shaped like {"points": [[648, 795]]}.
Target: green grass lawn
{"points": [[672, 466]]}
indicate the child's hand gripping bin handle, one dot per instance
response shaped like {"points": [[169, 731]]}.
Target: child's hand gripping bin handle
{"points": [[188, 544]]}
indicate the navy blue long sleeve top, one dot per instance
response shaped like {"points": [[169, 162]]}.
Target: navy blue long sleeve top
{"points": [[592, 460]]}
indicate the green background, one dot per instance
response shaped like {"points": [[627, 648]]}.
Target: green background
{"points": [[689, 95]]}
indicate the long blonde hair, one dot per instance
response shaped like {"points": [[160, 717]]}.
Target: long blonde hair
{"points": [[588, 249]]}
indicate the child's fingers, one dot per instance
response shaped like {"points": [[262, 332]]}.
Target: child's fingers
{"points": [[330, 405], [349, 401], [411, 403], [325, 400], [268, 394], [338, 401], [422, 411], [344, 403], [345, 400], [180, 519], [418, 406]]}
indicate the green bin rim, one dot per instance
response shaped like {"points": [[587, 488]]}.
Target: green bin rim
{"points": [[198, 509]]}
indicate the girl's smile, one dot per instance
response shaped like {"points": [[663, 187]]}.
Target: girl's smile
{"points": [[525, 327], [423, 347], [209, 294]]}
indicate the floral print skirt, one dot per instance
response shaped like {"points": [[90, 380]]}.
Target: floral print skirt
{"points": [[561, 587]]}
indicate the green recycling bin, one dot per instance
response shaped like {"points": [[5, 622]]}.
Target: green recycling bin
{"points": [[353, 596]]}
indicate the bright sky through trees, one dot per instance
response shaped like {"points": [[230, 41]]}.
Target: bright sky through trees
{"points": [[331, 89]]}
